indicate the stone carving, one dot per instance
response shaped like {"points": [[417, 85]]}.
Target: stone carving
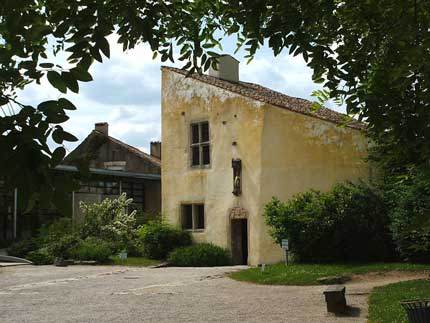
{"points": [[238, 213]]}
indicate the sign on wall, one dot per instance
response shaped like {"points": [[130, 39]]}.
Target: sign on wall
{"points": [[284, 244]]}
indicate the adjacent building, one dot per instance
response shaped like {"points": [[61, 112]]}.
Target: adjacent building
{"points": [[114, 168], [230, 146]]}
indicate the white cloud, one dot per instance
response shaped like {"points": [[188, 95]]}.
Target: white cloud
{"points": [[126, 91]]}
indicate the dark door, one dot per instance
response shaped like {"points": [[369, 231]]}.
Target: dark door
{"points": [[239, 241]]}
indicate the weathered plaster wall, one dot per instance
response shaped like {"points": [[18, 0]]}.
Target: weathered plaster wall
{"points": [[302, 152], [231, 118]]}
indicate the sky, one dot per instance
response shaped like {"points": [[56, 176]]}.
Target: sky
{"points": [[126, 90]]}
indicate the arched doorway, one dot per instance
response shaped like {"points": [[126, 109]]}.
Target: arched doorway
{"points": [[239, 235]]}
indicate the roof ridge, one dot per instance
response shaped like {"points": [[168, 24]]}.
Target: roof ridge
{"points": [[276, 98]]}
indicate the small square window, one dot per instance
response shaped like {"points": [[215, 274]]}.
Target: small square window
{"points": [[193, 217]]}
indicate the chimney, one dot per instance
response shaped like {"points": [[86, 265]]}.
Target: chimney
{"points": [[102, 127], [228, 69], [156, 149]]}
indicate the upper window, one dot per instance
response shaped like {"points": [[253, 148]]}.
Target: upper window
{"points": [[200, 145]]}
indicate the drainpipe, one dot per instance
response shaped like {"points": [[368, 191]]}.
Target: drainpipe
{"points": [[15, 211], [73, 209]]}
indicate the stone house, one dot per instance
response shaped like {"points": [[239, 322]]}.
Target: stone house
{"points": [[230, 146]]}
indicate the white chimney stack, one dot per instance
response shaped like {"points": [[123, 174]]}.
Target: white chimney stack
{"points": [[228, 69]]}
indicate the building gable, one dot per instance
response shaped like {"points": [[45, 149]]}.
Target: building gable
{"points": [[99, 150]]}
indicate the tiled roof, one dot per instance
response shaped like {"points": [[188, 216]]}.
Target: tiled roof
{"points": [[266, 95]]}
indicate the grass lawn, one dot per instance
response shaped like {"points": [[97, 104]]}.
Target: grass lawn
{"points": [[307, 274], [384, 306], [133, 261]]}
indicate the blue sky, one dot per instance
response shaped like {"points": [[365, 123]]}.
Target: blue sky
{"points": [[126, 91]]}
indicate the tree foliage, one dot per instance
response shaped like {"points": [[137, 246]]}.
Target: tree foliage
{"points": [[374, 55]]}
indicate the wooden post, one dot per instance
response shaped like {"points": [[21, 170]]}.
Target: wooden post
{"points": [[15, 211]]}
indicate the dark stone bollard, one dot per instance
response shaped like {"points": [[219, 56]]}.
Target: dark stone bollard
{"points": [[335, 299]]}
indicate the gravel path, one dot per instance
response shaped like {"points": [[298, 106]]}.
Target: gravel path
{"points": [[130, 294]]}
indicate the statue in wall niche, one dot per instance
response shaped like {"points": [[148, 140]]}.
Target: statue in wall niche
{"points": [[237, 174]]}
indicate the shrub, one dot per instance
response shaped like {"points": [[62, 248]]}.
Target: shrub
{"points": [[143, 218], [135, 248], [54, 231], [410, 215], [200, 255], [62, 247], [110, 221], [5, 243], [42, 256], [159, 238], [22, 248], [349, 223], [91, 249]]}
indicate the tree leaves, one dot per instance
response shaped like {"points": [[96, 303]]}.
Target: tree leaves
{"points": [[81, 74], [103, 44], [57, 156], [70, 81], [66, 104], [59, 136], [56, 81]]}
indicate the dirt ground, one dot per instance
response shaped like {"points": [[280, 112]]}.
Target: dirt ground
{"points": [[129, 294]]}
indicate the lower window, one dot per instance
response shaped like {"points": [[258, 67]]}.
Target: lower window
{"points": [[193, 216]]}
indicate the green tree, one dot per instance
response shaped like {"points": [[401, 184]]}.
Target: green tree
{"points": [[374, 55]]}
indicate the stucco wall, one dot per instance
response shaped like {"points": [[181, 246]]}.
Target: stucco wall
{"points": [[301, 152], [232, 118]]}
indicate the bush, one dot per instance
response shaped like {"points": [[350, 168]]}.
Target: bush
{"points": [[110, 221], [91, 249], [410, 215], [5, 243], [200, 255], [54, 231], [159, 238], [349, 223], [22, 248], [135, 248], [41, 256], [62, 247]]}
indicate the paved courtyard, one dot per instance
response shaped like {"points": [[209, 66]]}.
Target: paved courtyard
{"points": [[129, 294]]}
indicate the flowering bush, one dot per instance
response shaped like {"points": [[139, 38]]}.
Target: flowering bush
{"points": [[110, 221]]}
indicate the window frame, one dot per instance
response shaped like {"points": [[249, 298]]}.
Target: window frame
{"points": [[194, 216], [200, 144]]}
